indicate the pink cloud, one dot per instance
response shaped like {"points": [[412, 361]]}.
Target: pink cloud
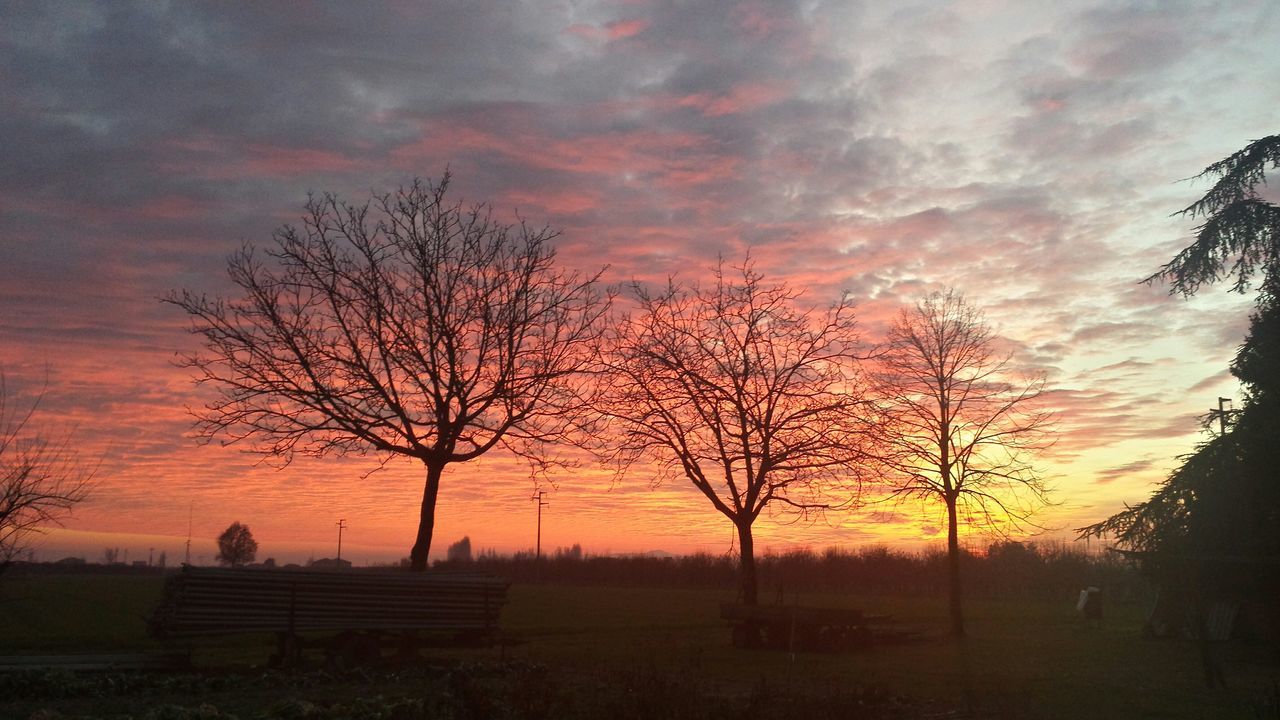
{"points": [[673, 159], [1050, 105], [610, 31], [620, 29], [172, 207], [740, 98], [552, 202], [225, 159], [104, 214], [754, 20], [282, 161]]}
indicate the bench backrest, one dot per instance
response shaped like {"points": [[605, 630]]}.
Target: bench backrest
{"points": [[211, 601]]}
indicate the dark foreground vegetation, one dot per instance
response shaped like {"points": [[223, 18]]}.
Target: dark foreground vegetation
{"points": [[435, 690], [656, 648]]}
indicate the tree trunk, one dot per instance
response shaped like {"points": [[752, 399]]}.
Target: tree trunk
{"points": [[426, 518], [953, 570], [747, 564]]}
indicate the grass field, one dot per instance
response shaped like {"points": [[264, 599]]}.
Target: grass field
{"points": [[1024, 659]]}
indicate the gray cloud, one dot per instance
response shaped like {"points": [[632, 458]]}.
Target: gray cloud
{"points": [[1023, 154]]}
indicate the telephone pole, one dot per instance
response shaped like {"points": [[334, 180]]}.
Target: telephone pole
{"points": [[342, 524], [1221, 412], [541, 503]]}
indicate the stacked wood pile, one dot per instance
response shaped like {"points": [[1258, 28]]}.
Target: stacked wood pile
{"points": [[212, 601]]}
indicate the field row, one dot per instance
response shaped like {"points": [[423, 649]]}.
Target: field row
{"points": [[1023, 659]]}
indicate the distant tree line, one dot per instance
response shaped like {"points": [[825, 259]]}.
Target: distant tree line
{"points": [[1006, 569]]}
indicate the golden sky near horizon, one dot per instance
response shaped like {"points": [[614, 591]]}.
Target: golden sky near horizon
{"points": [[1027, 154]]}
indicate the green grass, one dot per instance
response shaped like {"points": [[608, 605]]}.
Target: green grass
{"points": [[1024, 658], [76, 612]]}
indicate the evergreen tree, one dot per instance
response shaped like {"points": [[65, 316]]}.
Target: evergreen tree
{"points": [[1223, 502]]}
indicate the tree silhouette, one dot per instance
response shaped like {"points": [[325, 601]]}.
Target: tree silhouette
{"points": [[964, 425], [1241, 230], [236, 545], [459, 551], [40, 478], [1223, 501], [1212, 529], [406, 326], [757, 403]]}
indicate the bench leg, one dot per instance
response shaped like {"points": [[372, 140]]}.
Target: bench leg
{"points": [[288, 651], [407, 645], [746, 635], [349, 649]]}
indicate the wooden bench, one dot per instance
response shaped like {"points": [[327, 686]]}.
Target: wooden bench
{"points": [[362, 607], [793, 627]]}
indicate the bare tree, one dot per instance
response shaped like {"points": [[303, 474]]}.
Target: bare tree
{"points": [[964, 424], [40, 478], [236, 545], [406, 326], [755, 402]]}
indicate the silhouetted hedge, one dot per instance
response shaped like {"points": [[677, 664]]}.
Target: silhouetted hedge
{"points": [[1006, 569]]}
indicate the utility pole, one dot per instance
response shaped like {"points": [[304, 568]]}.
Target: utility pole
{"points": [[541, 503], [342, 525], [1222, 414], [190, 514]]}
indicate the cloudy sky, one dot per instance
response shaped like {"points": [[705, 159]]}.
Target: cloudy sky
{"points": [[1029, 154]]}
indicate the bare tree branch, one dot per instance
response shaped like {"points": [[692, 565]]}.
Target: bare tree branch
{"points": [[41, 479], [964, 426], [730, 386], [408, 325]]}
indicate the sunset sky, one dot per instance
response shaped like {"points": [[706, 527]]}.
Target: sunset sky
{"points": [[1029, 154]]}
